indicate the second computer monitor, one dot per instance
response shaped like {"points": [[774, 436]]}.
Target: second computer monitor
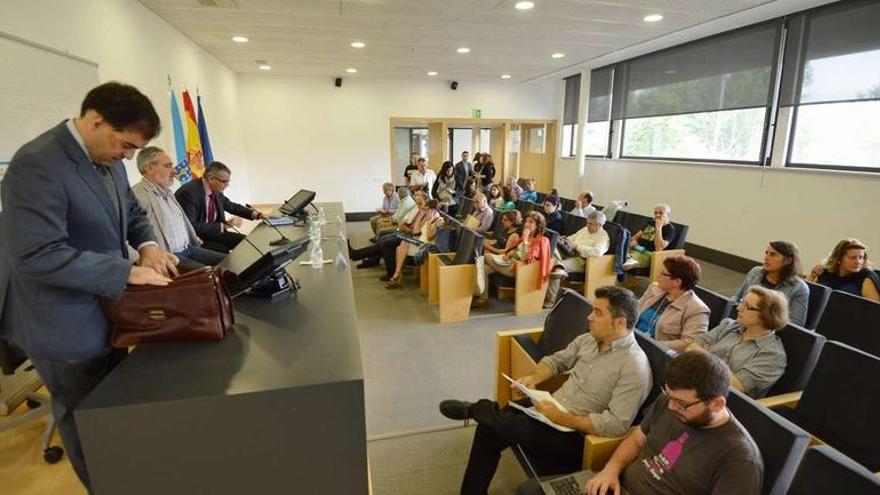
{"points": [[296, 204]]}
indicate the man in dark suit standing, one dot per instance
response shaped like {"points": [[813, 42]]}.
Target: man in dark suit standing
{"points": [[68, 218], [204, 204], [463, 170]]}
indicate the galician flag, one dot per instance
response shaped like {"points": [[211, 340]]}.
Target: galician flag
{"points": [[193, 145], [181, 167], [203, 134]]}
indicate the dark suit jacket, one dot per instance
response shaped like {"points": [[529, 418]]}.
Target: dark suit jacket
{"points": [[191, 197], [62, 248]]}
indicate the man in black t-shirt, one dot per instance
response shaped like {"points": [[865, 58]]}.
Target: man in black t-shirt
{"points": [[688, 442]]}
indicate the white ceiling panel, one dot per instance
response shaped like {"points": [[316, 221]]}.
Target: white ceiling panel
{"points": [[407, 38]]}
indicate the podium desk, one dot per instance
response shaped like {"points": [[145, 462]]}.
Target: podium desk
{"points": [[276, 407]]}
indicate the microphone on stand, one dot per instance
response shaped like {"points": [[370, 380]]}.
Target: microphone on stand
{"points": [[283, 241]]}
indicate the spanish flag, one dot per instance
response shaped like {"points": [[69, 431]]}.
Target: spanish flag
{"points": [[193, 144]]}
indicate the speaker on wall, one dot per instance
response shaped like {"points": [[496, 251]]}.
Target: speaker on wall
{"points": [[453, 85], [337, 82]]}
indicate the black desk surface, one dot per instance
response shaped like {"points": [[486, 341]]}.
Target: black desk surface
{"points": [[307, 339]]}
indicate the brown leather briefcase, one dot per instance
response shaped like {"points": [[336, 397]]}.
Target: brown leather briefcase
{"points": [[194, 306]]}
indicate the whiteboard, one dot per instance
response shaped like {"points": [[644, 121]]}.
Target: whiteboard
{"points": [[39, 87]]}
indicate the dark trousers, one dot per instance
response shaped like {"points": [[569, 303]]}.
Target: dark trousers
{"points": [[223, 243], [548, 449], [371, 251], [69, 384], [388, 246]]}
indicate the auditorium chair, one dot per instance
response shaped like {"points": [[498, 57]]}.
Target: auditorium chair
{"points": [[572, 223], [520, 350], [455, 275], [819, 295], [852, 320], [566, 204], [782, 444], [802, 349], [719, 306], [465, 207], [525, 207], [839, 403], [498, 215], [824, 470]]}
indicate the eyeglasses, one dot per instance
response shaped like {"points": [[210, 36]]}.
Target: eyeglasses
{"points": [[219, 179], [744, 305], [683, 406]]}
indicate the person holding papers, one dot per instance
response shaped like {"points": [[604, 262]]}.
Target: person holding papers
{"points": [[609, 379]]}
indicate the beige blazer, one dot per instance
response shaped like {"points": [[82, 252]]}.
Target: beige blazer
{"points": [[682, 320], [148, 202]]}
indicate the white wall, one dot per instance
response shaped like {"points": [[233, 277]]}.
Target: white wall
{"points": [[304, 133], [133, 45], [738, 209]]}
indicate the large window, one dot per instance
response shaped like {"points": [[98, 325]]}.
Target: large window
{"points": [[833, 87], [570, 115], [705, 100]]}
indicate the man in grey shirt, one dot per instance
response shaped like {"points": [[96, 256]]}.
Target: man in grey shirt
{"points": [[609, 379]]}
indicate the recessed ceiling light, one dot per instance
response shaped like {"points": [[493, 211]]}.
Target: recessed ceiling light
{"points": [[240, 39], [432, 73], [464, 49], [505, 76], [358, 44], [351, 70], [670, 71], [558, 55], [653, 18], [524, 5], [264, 67]]}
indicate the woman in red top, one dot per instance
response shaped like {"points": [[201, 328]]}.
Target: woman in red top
{"points": [[533, 247]]}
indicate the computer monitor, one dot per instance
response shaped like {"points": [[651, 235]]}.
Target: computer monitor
{"points": [[295, 205], [266, 277]]}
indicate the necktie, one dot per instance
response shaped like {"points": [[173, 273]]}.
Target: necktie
{"points": [[107, 180], [212, 209]]}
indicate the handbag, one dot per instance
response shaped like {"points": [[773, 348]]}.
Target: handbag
{"points": [[194, 307]]}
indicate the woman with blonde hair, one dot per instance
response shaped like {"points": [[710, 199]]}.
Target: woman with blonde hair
{"points": [[847, 269], [749, 344]]}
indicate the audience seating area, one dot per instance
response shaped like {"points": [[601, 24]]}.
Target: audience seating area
{"points": [[827, 396]]}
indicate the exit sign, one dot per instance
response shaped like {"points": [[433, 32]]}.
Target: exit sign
{"points": [[477, 113]]}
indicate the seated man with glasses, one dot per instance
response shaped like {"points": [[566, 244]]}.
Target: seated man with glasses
{"points": [[688, 441], [204, 204]]}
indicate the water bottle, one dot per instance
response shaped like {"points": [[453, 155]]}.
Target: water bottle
{"points": [[322, 217], [316, 251]]}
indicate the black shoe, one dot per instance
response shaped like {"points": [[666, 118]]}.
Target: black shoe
{"points": [[385, 278], [368, 263], [456, 409]]}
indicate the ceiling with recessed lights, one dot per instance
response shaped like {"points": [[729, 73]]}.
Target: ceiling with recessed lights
{"points": [[409, 38]]}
